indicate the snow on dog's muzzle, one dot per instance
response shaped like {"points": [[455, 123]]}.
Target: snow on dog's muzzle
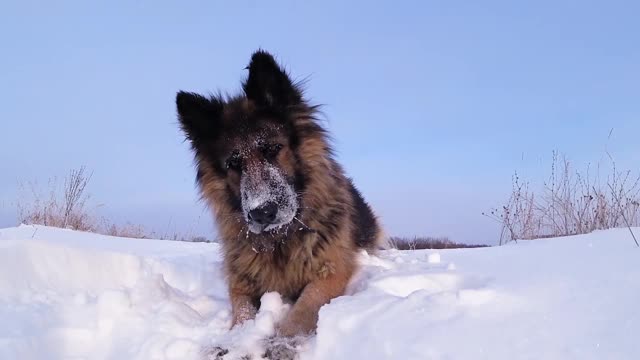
{"points": [[268, 200]]}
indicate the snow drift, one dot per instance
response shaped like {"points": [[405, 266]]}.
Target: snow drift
{"points": [[73, 295]]}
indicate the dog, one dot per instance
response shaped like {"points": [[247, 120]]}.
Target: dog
{"points": [[289, 219]]}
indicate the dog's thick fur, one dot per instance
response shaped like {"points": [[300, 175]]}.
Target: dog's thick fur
{"points": [[270, 125]]}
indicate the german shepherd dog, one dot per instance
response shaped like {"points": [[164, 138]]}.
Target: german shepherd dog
{"points": [[289, 219]]}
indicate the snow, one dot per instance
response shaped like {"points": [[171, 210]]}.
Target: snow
{"points": [[73, 295], [267, 184]]}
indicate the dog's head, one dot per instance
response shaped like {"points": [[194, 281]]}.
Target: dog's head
{"points": [[246, 145]]}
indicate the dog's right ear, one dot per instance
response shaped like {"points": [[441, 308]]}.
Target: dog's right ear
{"points": [[268, 84], [199, 116]]}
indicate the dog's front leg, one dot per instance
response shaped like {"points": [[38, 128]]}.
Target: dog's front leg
{"points": [[242, 307], [303, 317]]}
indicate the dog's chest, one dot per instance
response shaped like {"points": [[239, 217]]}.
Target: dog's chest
{"points": [[285, 268]]}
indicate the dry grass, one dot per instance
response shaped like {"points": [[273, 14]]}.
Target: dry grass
{"points": [[570, 202], [419, 243], [69, 207], [127, 230], [64, 207]]}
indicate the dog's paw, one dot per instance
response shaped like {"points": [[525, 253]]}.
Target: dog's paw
{"points": [[281, 348], [280, 352], [216, 353], [219, 353]]}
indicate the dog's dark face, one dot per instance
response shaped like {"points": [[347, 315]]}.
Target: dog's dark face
{"points": [[247, 144]]}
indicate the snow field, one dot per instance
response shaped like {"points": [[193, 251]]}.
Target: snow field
{"points": [[72, 295]]}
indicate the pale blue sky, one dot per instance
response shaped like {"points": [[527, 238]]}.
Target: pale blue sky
{"points": [[433, 104]]}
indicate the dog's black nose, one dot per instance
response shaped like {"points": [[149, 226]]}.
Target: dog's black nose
{"points": [[265, 214]]}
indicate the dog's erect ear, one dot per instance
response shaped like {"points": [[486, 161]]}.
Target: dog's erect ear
{"points": [[199, 116], [268, 84]]}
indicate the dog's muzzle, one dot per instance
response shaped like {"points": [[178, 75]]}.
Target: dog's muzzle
{"points": [[268, 200]]}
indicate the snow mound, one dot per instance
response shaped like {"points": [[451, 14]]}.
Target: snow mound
{"points": [[74, 295]]}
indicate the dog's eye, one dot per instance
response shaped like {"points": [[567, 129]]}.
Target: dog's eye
{"points": [[270, 151], [234, 162]]}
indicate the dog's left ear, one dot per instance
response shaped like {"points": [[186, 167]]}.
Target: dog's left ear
{"points": [[268, 84]]}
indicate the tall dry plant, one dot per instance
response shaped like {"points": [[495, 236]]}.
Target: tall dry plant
{"points": [[570, 203], [74, 198], [66, 208]]}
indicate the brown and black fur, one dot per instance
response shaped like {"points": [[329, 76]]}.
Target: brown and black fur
{"points": [[311, 259]]}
